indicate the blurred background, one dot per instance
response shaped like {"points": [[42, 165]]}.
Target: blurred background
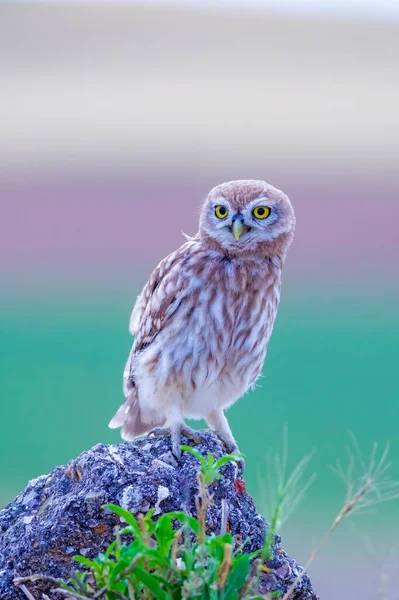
{"points": [[116, 118]]}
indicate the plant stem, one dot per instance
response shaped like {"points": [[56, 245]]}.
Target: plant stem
{"points": [[27, 593], [74, 595], [225, 566], [344, 512]]}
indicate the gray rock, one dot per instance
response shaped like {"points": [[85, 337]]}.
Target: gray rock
{"points": [[61, 514]]}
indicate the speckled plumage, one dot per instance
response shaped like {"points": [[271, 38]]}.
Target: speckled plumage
{"points": [[204, 319]]}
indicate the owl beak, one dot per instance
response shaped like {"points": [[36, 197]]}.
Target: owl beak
{"points": [[238, 227]]}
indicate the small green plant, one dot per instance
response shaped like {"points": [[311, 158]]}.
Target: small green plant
{"points": [[285, 491], [173, 558], [158, 561]]}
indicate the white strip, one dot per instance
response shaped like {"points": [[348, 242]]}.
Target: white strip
{"points": [[371, 10]]}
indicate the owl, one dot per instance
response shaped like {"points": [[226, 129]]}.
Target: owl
{"points": [[203, 321]]}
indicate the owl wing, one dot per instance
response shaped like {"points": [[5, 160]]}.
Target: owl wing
{"points": [[137, 311], [144, 298], [160, 299], [154, 291]]}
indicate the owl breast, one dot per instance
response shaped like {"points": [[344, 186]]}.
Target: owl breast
{"points": [[213, 348]]}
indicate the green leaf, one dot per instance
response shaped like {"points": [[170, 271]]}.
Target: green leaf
{"points": [[110, 548], [164, 533], [149, 514], [169, 586], [216, 544], [210, 476], [127, 516], [236, 577], [228, 458], [116, 570], [151, 583], [71, 588], [85, 561], [195, 453], [254, 554], [191, 521], [244, 543], [222, 540], [156, 558], [128, 529], [188, 557], [206, 594], [149, 522]]}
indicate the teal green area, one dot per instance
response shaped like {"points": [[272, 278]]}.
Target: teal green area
{"points": [[332, 367]]}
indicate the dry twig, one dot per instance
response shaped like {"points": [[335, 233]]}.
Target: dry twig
{"points": [[27, 593], [225, 566], [372, 487]]}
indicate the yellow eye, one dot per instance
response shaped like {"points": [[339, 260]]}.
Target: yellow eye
{"points": [[261, 212], [221, 211]]}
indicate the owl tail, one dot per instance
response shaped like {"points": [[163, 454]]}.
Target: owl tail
{"points": [[129, 418]]}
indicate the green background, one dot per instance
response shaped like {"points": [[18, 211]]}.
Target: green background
{"points": [[331, 368]]}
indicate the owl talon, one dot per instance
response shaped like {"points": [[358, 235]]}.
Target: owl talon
{"points": [[232, 448], [176, 451], [241, 466], [173, 433], [176, 442], [192, 434], [159, 432]]}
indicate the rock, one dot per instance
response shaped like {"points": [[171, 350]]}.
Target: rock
{"points": [[61, 514]]}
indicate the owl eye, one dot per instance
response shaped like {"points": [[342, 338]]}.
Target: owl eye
{"points": [[221, 211], [261, 212]]}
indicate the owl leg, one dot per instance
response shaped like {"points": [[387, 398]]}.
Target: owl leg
{"points": [[218, 423], [192, 434], [174, 432], [173, 429]]}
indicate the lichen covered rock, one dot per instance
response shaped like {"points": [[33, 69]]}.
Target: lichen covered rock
{"points": [[61, 514]]}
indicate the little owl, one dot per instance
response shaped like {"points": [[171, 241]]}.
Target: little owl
{"points": [[204, 319]]}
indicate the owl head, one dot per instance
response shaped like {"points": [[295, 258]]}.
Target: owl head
{"points": [[247, 217]]}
